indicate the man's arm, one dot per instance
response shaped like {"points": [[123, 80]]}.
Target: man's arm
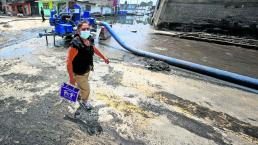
{"points": [[72, 52], [96, 51]]}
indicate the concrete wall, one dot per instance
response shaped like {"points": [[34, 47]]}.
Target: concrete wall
{"points": [[211, 1], [240, 13], [197, 12]]}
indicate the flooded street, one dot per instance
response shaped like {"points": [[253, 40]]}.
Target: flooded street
{"points": [[231, 58], [136, 32], [132, 105]]}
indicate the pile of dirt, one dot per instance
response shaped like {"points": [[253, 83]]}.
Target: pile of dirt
{"points": [[154, 65]]}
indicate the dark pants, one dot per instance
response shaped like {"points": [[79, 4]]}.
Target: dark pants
{"points": [[43, 18]]}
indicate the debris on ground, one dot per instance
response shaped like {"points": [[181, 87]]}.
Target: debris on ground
{"points": [[161, 48], [7, 25], [157, 65], [221, 39]]}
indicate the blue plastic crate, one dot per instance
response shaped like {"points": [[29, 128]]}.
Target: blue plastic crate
{"points": [[69, 92]]}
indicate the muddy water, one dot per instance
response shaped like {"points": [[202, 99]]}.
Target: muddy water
{"points": [[135, 31]]}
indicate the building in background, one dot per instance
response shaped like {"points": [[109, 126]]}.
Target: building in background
{"points": [[1, 6], [143, 8], [97, 7], [33, 7], [17, 7], [129, 8], [24, 7], [48, 5], [100, 7]]}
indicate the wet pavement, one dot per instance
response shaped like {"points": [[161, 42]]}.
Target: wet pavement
{"points": [[134, 101], [136, 32], [231, 58]]}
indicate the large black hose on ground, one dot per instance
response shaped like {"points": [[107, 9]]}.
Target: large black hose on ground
{"points": [[213, 72]]}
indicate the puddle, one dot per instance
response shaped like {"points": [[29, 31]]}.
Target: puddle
{"points": [[229, 58], [11, 52]]}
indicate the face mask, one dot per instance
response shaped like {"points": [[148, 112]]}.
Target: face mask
{"points": [[85, 34]]}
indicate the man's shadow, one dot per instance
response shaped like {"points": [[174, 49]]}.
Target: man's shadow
{"points": [[87, 120]]}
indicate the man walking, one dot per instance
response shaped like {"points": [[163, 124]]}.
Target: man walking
{"points": [[42, 14]]}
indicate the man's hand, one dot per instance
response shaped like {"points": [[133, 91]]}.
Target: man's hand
{"points": [[106, 60], [72, 81]]}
